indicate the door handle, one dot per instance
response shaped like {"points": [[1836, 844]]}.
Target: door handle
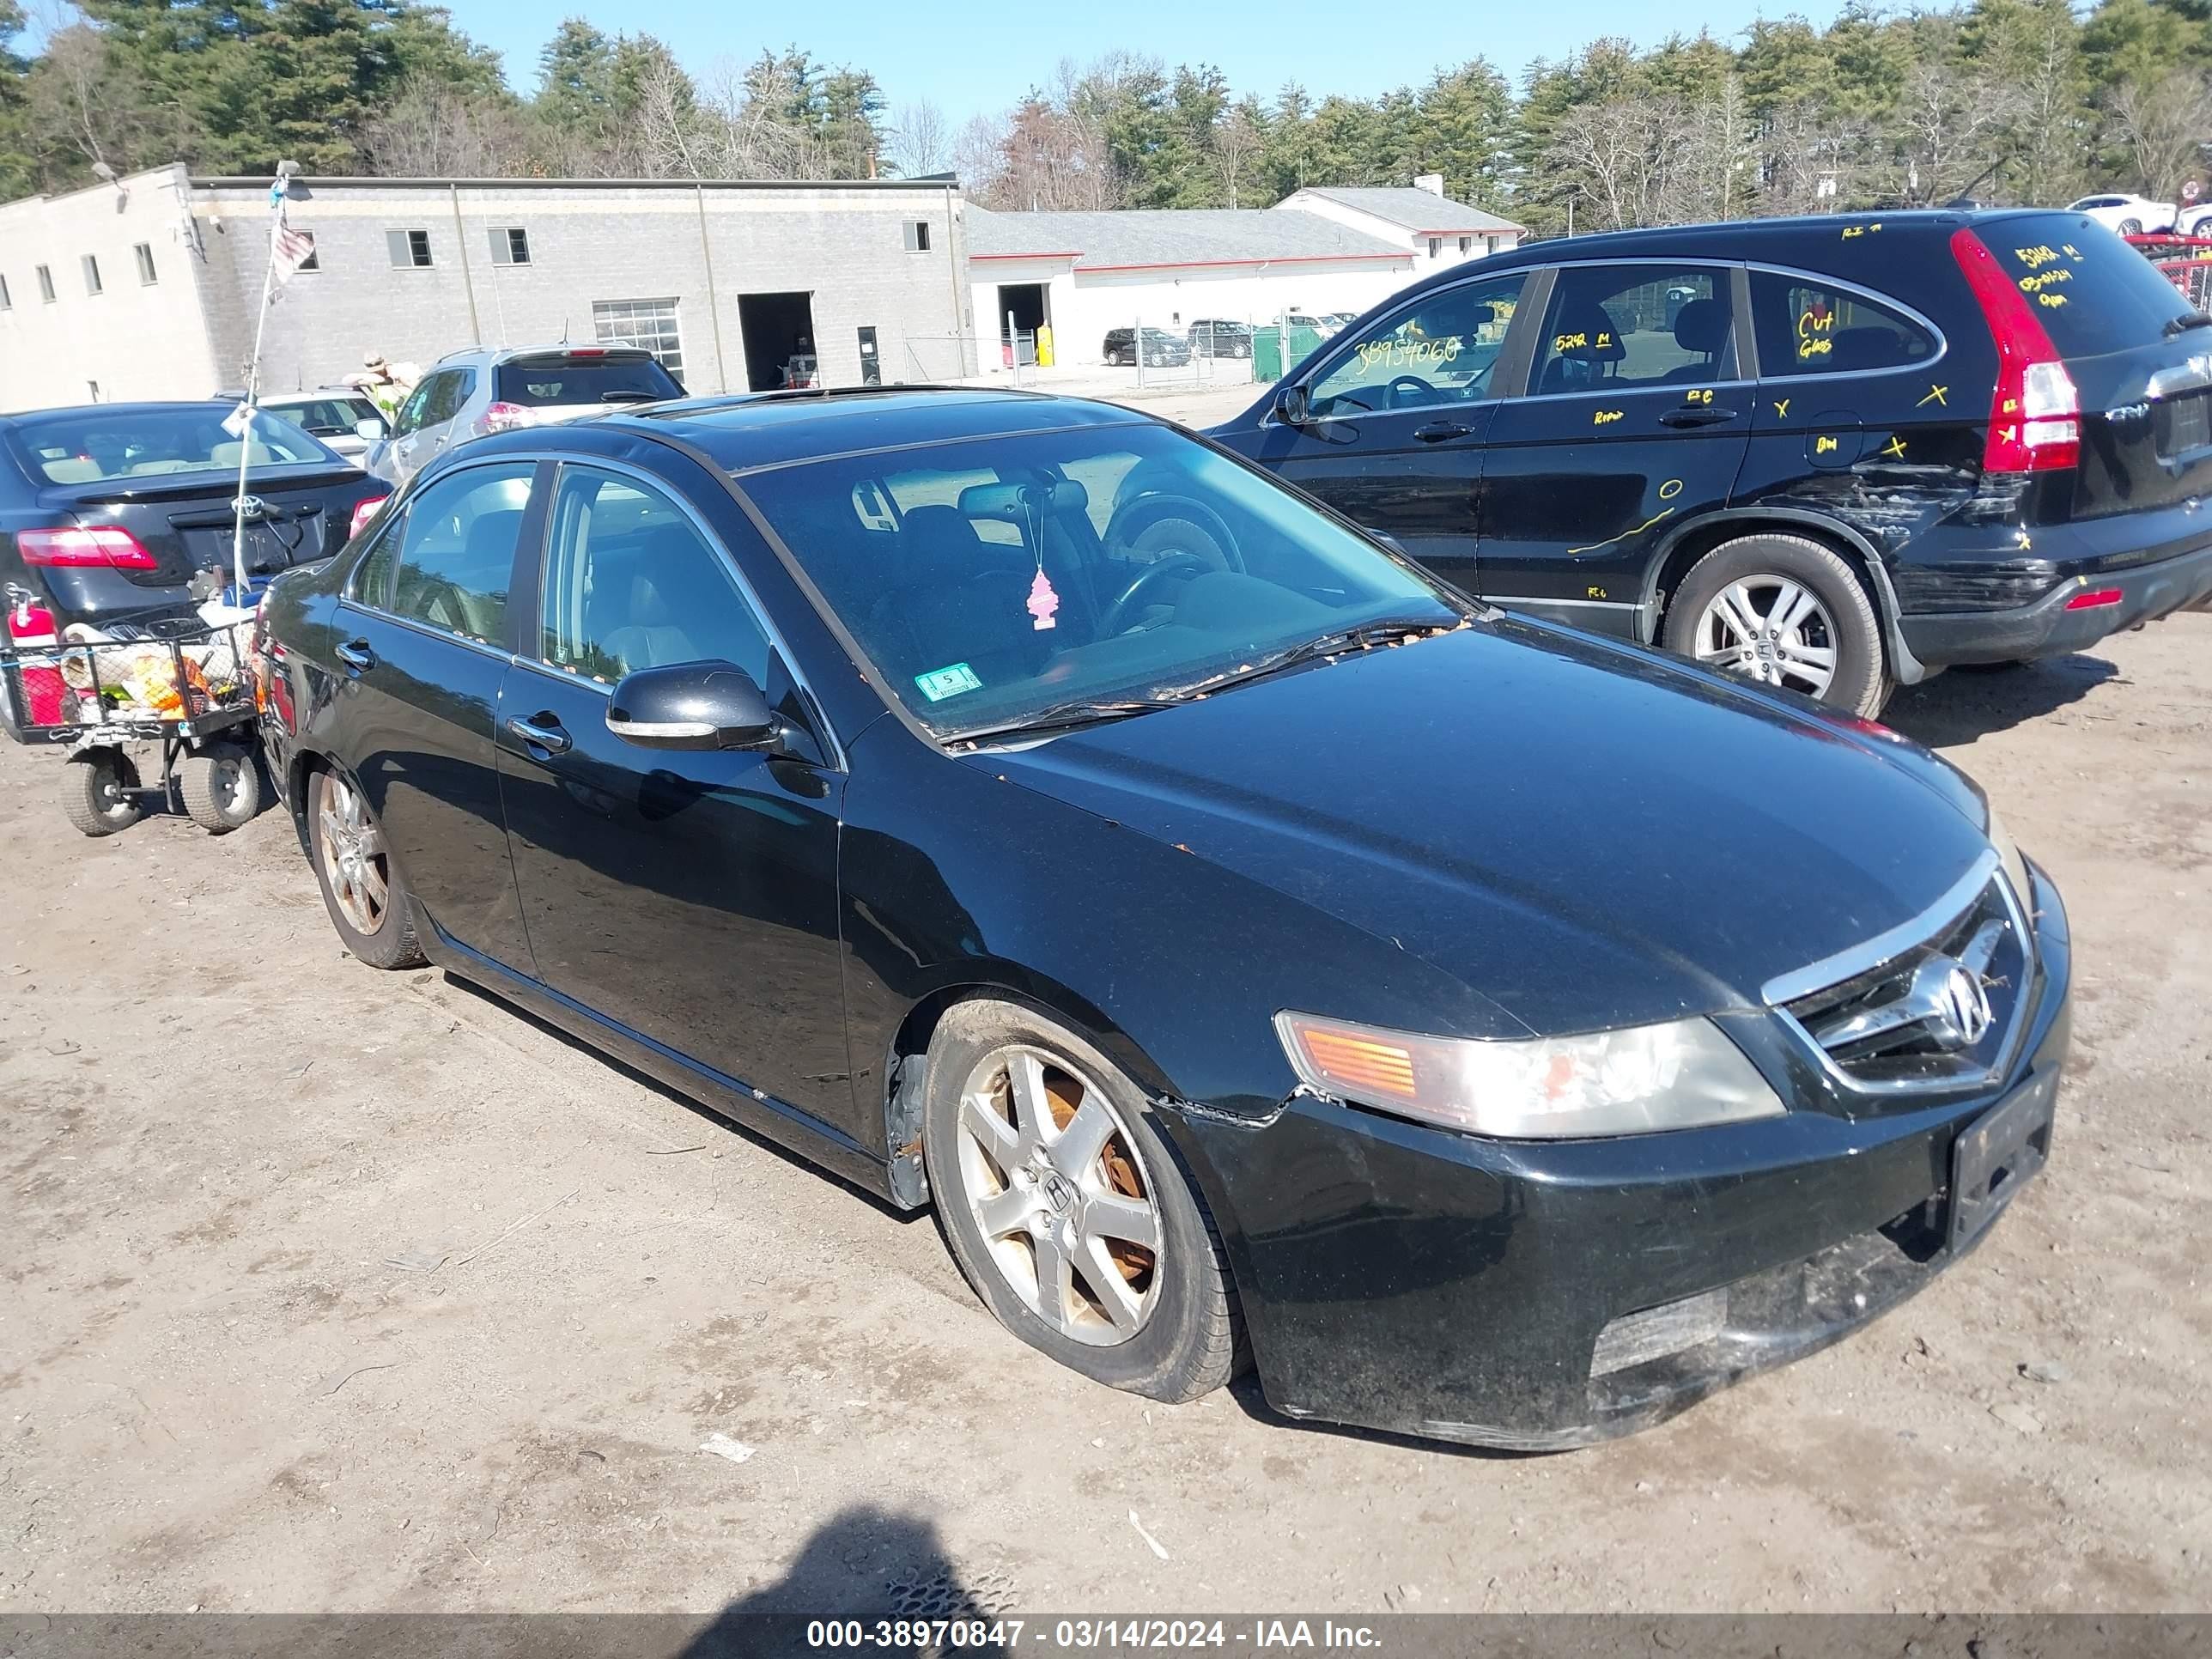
{"points": [[552, 737], [357, 656], [1437, 432], [1696, 416]]}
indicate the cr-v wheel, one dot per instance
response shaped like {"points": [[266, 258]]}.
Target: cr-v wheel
{"points": [[1785, 611], [1066, 1210], [361, 889]]}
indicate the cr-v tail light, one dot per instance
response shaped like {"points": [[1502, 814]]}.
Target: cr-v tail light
{"points": [[2035, 414], [503, 417], [94, 544]]}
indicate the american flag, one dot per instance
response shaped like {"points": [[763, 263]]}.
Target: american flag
{"points": [[289, 249]]}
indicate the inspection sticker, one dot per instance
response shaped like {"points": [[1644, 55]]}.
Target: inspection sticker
{"points": [[939, 683]]}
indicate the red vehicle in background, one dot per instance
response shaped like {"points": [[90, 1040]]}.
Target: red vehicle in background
{"points": [[2185, 261]]}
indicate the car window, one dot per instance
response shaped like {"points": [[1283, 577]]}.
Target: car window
{"points": [[1203, 566], [1443, 350], [1808, 327], [1627, 326], [457, 552], [545, 382], [631, 583], [410, 415], [89, 446], [2091, 293]]}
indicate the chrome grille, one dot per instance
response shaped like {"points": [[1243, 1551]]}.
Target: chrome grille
{"points": [[1941, 1012]]}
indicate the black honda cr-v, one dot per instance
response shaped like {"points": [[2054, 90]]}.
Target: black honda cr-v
{"points": [[1837, 454]]}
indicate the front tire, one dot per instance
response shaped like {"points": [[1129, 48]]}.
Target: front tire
{"points": [[362, 887], [2130, 227], [1066, 1208], [1785, 610], [99, 792]]}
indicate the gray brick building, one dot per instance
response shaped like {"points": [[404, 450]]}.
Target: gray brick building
{"points": [[148, 288]]}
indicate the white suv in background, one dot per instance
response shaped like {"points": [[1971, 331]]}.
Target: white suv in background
{"points": [[2130, 215], [484, 390]]}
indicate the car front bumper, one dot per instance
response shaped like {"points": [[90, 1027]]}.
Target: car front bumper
{"points": [[1410, 1280], [2048, 628]]}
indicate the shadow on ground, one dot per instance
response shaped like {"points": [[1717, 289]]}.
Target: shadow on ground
{"points": [[1957, 709], [863, 1564]]}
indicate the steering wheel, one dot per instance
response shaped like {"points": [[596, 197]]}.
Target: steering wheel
{"points": [[1427, 392], [1174, 564]]}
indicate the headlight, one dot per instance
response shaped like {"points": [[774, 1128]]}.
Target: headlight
{"points": [[1674, 1075], [2015, 867]]}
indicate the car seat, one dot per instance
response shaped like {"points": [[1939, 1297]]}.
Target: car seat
{"points": [[1594, 341], [1701, 327], [953, 598]]}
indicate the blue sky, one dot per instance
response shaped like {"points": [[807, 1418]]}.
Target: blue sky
{"points": [[969, 58]]}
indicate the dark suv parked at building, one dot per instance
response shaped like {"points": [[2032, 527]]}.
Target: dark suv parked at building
{"points": [[1837, 454], [1162, 349], [1214, 337]]}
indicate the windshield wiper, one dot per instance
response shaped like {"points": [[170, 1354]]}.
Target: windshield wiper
{"points": [[1064, 717], [2183, 324], [1383, 630]]}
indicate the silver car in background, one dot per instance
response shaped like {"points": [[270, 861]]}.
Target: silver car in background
{"points": [[484, 390]]}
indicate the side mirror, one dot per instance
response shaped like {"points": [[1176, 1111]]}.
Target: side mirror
{"points": [[692, 705], [368, 431], [1292, 406]]}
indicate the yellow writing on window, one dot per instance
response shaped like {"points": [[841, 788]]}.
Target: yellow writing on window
{"points": [[2036, 257], [1408, 353]]}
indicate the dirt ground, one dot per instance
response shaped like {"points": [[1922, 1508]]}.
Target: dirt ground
{"points": [[334, 1290]]}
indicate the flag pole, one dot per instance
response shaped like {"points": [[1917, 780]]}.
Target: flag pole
{"points": [[276, 194]]}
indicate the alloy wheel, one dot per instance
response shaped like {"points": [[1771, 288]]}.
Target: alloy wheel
{"points": [[1771, 629], [1057, 1188], [354, 859]]}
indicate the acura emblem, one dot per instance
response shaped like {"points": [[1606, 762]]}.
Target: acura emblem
{"points": [[1956, 1005]]}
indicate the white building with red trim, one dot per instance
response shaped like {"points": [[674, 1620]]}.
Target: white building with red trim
{"points": [[1318, 251], [1421, 219]]}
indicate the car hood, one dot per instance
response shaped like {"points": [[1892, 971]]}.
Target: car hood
{"points": [[1587, 836]]}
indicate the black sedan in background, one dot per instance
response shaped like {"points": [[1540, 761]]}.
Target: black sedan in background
{"points": [[1247, 942], [108, 511]]}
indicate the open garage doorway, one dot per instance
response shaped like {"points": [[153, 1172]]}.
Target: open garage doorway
{"points": [[779, 336], [1026, 303]]}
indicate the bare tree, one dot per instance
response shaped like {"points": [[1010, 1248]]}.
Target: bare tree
{"points": [[1949, 124], [921, 140], [1237, 142], [1636, 160], [979, 156], [669, 133], [2164, 122]]}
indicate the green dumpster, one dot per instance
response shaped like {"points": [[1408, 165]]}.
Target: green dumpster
{"points": [[1267, 339]]}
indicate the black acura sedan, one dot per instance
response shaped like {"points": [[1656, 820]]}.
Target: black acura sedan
{"points": [[1248, 944]]}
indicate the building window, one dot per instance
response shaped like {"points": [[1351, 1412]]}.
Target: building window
{"points": [[917, 236], [647, 323], [46, 284], [1466, 243], [1490, 245], [145, 253], [92, 283], [510, 246], [409, 249], [7, 300], [1436, 245]]}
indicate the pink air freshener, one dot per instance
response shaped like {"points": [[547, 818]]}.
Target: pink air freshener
{"points": [[1044, 603]]}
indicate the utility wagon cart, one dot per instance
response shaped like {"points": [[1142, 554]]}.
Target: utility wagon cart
{"points": [[181, 684]]}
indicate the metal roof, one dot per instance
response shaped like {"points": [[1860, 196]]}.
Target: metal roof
{"points": [[1146, 238], [1416, 209]]}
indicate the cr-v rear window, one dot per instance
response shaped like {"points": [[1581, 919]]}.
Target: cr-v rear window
{"points": [[1807, 326], [2090, 290], [543, 382]]}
